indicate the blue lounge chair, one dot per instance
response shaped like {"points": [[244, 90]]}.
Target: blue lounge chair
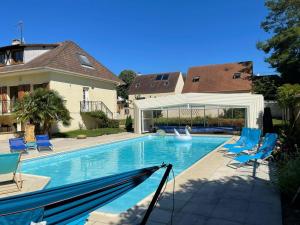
{"points": [[9, 164], [43, 142], [263, 153], [17, 145], [242, 140], [251, 143]]}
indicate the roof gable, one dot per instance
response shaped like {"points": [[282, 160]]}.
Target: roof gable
{"points": [[154, 83], [230, 77]]}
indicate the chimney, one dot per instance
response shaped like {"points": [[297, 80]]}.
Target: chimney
{"points": [[16, 42]]}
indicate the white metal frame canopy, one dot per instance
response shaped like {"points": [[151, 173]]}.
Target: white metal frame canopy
{"points": [[253, 103]]}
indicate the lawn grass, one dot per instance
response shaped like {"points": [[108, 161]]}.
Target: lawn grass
{"points": [[277, 122], [89, 133]]}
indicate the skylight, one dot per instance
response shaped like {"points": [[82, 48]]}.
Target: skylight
{"points": [[85, 61], [162, 77], [165, 77], [159, 77]]}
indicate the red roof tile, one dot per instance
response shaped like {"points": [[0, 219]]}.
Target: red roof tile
{"points": [[219, 78]]}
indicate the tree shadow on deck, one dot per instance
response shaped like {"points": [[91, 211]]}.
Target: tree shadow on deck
{"points": [[236, 198]]}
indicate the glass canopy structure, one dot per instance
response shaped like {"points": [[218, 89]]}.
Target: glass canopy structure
{"points": [[201, 112]]}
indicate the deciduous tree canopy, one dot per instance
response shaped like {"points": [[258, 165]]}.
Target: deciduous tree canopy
{"points": [[283, 48], [127, 76]]}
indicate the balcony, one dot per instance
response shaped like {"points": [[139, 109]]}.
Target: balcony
{"points": [[93, 106], [6, 107]]}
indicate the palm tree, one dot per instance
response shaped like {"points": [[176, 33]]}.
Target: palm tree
{"points": [[42, 108]]}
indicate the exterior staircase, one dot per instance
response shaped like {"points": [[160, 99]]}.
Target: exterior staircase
{"points": [[93, 106]]}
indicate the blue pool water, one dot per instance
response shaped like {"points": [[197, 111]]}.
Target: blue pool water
{"points": [[119, 157]]}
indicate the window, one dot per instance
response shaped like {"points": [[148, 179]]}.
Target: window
{"points": [[85, 61], [236, 75], [196, 79], [165, 77], [158, 77], [162, 77], [17, 56], [2, 58]]}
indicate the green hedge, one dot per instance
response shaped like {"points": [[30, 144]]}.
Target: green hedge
{"points": [[88, 133], [199, 121]]}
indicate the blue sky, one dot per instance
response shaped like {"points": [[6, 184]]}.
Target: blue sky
{"points": [[147, 36]]}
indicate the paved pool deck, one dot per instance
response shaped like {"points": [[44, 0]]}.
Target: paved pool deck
{"points": [[208, 193]]}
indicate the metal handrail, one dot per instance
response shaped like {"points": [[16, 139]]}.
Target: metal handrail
{"points": [[92, 106]]}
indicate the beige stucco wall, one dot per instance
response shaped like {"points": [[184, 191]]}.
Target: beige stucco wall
{"points": [[71, 89]]}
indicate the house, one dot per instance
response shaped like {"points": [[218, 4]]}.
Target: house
{"points": [[83, 82], [155, 85], [220, 78]]}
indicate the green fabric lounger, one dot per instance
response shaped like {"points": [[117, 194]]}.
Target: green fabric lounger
{"points": [[9, 164]]}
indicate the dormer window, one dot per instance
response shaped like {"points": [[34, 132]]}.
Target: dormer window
{"points": [[84, 61], [196, 79], [17, 56], [236, 76]]}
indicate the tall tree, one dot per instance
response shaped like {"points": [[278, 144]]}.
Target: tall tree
{"points": [[127, 76], [266, 85], [42, 108], [283, 48]]}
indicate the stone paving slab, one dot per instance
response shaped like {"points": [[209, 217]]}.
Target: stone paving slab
{"points": [[29, 183]]}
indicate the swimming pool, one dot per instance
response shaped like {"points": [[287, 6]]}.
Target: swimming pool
{"points": [[108, 159]]}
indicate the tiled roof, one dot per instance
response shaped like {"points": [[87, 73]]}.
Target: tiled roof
{"points": [[219, 78], [147, 84], [65, 57]]}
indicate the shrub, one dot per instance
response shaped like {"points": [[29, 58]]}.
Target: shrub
{"points": [[128, 124], [102, 120], [289, 178], [43, 108], [113, 123]]}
